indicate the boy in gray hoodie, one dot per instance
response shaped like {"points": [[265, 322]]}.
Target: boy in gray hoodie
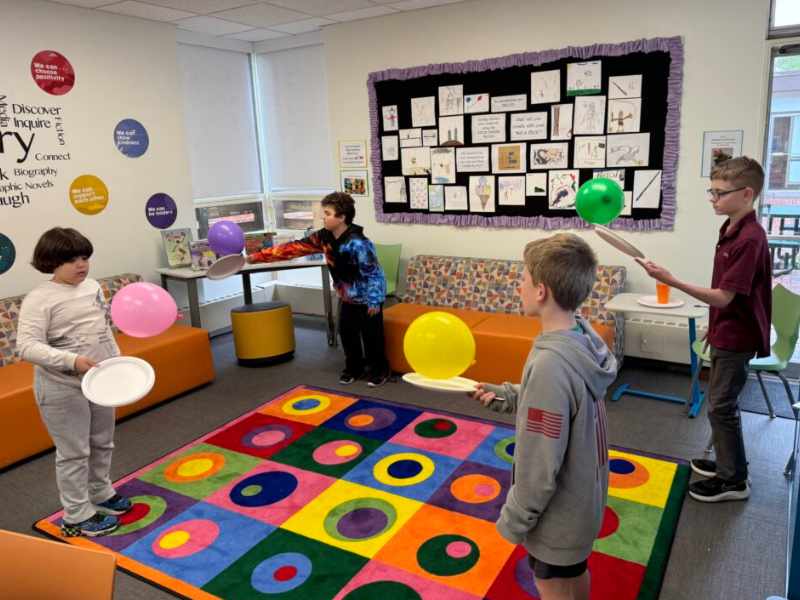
{"points": [[560, 481]]}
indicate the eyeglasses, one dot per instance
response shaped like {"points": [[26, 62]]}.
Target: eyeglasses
{"points": [[717, 194]]}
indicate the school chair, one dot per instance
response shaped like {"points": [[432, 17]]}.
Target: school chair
{"points": [[389, 259], [38, 569], [786, 322]]}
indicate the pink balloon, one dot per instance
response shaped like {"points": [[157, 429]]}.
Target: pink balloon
{"points": [[143, 309]]}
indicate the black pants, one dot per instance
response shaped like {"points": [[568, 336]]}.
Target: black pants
{"points": [[727, 378], [362, 339]]}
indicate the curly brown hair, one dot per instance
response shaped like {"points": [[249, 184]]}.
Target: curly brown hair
{"points": [[342, 205]]}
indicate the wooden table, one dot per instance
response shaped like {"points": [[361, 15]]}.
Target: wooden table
{"points": [[190, 277]]}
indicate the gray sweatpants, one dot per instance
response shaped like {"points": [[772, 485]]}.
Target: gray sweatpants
{"points": [[83, 433]]}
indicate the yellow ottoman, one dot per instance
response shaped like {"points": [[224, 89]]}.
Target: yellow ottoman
{"points": [[263, 333]]}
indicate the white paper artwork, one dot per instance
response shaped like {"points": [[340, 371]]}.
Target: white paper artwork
{"points": [[617, 175], [455, 197], [390, 118], [415, 161], [451, 131], [509, 103], [590, 152], [430, 137], [488, 128], [563, 188], [451, 100], [394, 190], [423, 111], [536, 184], [475, 103], [625, 86], [590, 115], [443, 165], [646, 189], [561, 122], [481, 193], [628, 150], [511, 191], [410, 138], [584, 78], [436, 198], [472, 160], [418, 192], [627, 204], [389, 147], [549, 156], [508, 158], [529, 126], [546, 87], [624, 116]]}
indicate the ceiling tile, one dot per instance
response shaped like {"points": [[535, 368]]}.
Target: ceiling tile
{"points": [[85, 3], [364, 13], [261, 15], [211, 25], [201, 7], [146, 11], [258, 35], [304, 26], [321, 8], [417, 4]]}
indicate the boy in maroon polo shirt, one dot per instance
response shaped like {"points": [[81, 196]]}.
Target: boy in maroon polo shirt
{"points": [[740, 298]]}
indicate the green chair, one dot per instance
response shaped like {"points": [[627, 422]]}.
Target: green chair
{"points": [[786, 322], [389, 259]]}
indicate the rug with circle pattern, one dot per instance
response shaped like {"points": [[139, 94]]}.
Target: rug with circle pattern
{"points": [[323, 495]]}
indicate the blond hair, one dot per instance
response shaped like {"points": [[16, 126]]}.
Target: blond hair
{"points": [[740, 172], [564, 263]]}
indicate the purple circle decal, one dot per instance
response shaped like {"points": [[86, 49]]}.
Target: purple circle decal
{"points": [[161, 211], [130, 138]]}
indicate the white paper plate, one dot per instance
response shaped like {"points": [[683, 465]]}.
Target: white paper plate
{"points": [[652, 302], [454, 384], [118, 381], [618, 242], [226, 266]]}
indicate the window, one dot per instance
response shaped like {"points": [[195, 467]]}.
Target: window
{"points": [[784, 18], [783, 145], [293, 98]]}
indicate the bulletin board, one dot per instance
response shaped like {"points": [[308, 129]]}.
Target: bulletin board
{"points": [[507, 142]]}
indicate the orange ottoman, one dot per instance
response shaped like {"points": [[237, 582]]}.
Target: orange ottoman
{"points": [[397, 318]]}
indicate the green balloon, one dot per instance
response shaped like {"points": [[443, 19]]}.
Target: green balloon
{"points": [[599, 201]]}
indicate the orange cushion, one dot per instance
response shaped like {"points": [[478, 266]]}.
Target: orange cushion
{"points": [[22, 432], [398, 317]]}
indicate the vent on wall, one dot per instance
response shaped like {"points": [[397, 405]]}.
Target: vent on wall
{"points": [[660, 339]]}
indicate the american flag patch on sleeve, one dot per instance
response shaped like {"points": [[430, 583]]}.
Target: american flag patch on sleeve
{"points": [[545, 422]]}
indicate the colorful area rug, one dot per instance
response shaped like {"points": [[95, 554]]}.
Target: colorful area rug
{"points": [[319, 495]]}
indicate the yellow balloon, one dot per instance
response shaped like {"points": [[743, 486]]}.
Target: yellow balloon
{"points": [[439, 345]]}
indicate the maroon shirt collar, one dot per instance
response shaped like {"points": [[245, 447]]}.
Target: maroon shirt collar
{"points": [[723, 231]]}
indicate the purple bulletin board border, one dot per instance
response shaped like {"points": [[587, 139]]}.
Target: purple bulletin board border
{"points": [[673, 45]]}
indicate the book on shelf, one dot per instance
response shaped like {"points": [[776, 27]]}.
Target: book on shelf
{"points": [[258, 240], [177, 246], [202, 255]]}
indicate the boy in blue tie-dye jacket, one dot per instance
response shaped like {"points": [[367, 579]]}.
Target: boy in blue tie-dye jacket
{"points": [[359, 282]]}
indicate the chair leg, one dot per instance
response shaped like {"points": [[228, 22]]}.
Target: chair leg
{"points": [[695, 381], [766, 396]]}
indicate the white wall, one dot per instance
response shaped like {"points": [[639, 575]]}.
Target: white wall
{"points": [[125, 68], [725, 59]]}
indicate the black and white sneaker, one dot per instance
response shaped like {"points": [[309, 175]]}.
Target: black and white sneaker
{"points": [[378, 380], [718, 490], [346, 378], [704, 467]]}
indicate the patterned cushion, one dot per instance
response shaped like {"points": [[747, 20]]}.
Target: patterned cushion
{"points": [[9, 313], [492, 285]]}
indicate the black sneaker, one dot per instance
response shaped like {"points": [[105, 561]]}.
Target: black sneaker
{"points": [[116, 505], [717, 490], [97, 524], [346, 378], [378, 380], [706, 468]]}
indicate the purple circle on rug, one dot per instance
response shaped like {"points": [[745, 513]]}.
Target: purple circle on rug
{"points": [[362, 523], [266, 435], [525, 578], [161, 211]]}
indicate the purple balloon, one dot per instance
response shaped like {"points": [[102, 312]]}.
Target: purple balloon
{"points": [[226, 237]]}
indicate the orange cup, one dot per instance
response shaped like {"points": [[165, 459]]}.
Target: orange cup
{"points": [[662, 293]]}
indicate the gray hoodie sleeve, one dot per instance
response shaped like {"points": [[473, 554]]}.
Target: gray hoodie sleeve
{"points": [[507, 395], [542, 437]]}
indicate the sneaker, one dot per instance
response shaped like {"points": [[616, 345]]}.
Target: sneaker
{"points": [[706, 468], [116, 505], [346, 378], [97, 524], [378, 380], [718, 490]]}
